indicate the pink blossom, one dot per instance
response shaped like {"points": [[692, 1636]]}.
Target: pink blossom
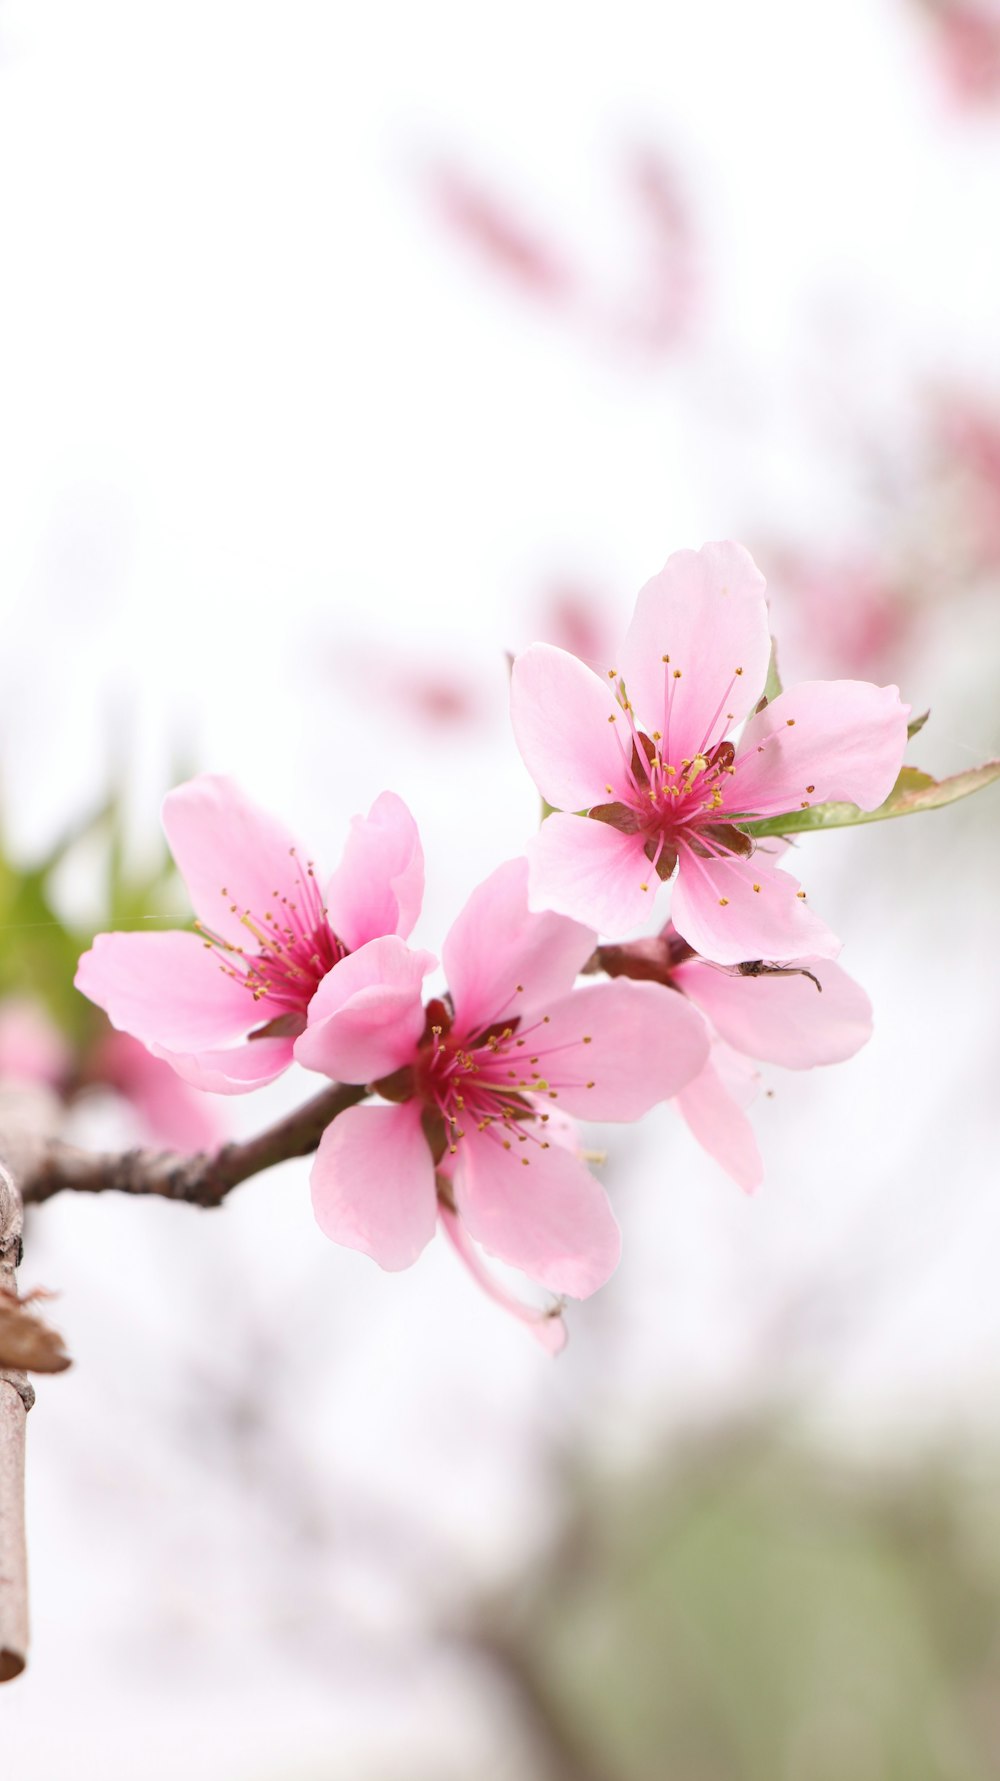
{"points": [[32, 1049], [800, 1015], [646, 752], [475, 1086], [269, 936], [170, 1110]]}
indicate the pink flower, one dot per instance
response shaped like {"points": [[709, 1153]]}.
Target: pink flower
{"points": [[224, 1009], [32, 1049], [804, 1014], [171, 1111], [476, 1085], [646, 752]]}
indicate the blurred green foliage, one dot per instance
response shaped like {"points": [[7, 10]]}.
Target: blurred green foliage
{"points": [[40, 948], [757, 1613]]}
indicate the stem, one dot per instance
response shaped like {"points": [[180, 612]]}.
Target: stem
{"points": [[16, 1398], [203, 1179]]}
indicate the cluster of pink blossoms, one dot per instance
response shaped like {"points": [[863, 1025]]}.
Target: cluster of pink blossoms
{"points": [[475, 1088]]}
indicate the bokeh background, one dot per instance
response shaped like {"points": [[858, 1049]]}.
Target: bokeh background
{"points": [[345, 349]]}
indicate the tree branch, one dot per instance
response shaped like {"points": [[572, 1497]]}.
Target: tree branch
{"points": [[203, 1179], [16, 1398]]}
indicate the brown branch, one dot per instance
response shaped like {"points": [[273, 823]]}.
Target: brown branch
{"points": [[16, 1398], [203, 1179]]}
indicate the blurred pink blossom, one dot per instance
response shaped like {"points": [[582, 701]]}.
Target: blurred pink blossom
{"points": [[966, 35], [32, 1049], [655, 306], [170, 1110]]}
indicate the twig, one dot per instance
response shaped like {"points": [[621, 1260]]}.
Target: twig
{"points": [[16, 1398], [203, 1179]]}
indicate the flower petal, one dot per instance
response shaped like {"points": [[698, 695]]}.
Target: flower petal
{"points": [[235, 1070], [612, 1050], [589, 871], [372, 1184], [499, 960], [230, 851], [718, 911], [167, 989], [379, 885], [560, 713], [706, 612], [540, 1210], [783, 1019], [839, 739], [367, 1014], [717, 1121], [544, 1322]]}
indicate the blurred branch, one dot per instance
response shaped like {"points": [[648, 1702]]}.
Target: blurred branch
{"points": [[203, 1179], [565, 1748]]}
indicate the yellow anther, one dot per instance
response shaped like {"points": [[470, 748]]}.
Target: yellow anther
{"points": [[756, 887], [677, 674], [790, 721], [801, 895], [722, 902], [739, 670]]}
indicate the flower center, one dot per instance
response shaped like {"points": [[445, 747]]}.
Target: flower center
{"points": [[292, 948], [674, 803], [490, 1083]]}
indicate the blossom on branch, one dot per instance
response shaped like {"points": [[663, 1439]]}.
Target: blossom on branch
{"points": [[476, 1085], [797, 1016], [646, 779], [225, 1006]]}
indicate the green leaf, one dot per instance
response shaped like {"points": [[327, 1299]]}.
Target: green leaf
{"points": [[912, 792], [772, 685], [916, 723]]}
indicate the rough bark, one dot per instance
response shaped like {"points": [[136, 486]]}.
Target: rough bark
{"points": [[16, 1398], [203, 1179]]}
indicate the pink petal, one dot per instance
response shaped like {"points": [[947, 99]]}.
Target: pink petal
{"points": [[372, 1184], [169, 990], [500, 961], [783, 1019], [367, 1014], [540, 1210], [587, 870], [717, 911], [560, 712], [230, 851], [612, 1050], [545, 1324], [839, 739], [721, 1128], [231, 1071], [706, 611], [379, 885]]}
